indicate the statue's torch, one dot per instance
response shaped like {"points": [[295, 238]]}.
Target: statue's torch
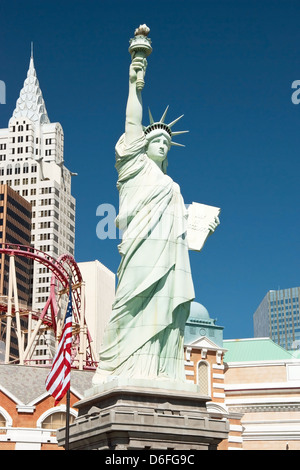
{"points": [[140, 46]]}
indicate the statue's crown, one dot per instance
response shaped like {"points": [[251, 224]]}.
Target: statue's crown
{"points": [[161, 125]]}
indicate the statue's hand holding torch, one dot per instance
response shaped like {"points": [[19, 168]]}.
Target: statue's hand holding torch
{"points": [[137, 72], [140, 48]]}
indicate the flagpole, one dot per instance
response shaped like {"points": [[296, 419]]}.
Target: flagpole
{"points": [[58, 381], [67, 420], [68, 392]]}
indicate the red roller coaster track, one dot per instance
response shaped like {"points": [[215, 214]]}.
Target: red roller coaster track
{"points": [[63, 270]]}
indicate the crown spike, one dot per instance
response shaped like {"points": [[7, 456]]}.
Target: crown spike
{"points": [[150, 117], [162, 119], [174, 122], [179, 132], [155, 126], [177, 145]]}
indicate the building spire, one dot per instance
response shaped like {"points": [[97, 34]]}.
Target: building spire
{"points": [[31, 104]]}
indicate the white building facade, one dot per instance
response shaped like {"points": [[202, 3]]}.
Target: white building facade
{"points": [[32, 163], [99, 296]]}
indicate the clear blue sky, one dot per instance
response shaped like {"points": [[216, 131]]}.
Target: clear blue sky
{"points": [[228, 66]]}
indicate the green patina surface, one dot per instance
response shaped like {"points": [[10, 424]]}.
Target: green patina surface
{"points": [[254, 349]]}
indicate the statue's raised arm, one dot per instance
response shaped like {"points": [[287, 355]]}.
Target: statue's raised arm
{"points": [[140, 48]]}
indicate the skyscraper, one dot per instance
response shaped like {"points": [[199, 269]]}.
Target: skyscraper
{"points": [[32, 163], [15, 227], [278, 317]]}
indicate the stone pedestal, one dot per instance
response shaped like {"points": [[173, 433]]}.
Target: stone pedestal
{"points": [[127, 416]]}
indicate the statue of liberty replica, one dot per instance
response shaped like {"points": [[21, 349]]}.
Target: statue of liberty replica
{"points": [[144, 337], [140, 398]]}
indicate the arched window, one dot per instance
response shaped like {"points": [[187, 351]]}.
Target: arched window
{"points": [[17, 169], [203, 378], [56, 420], [25, 168], [9, 170], [5, 420], [2, 421]]}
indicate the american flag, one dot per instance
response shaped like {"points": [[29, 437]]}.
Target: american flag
{"points": [[58, 380]]}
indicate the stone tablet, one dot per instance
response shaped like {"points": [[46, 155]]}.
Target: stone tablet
{"points": [[200, 216]]}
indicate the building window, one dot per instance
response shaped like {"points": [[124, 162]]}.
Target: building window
{"points": [[203, 378], [55, 420], [5, 420], [2, 421], [45, 236]]}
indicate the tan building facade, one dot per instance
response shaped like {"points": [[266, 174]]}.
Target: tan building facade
{"points": [[262, 383], [205, 366]]}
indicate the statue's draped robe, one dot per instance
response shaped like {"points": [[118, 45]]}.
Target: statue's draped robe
{"points": [[144, 337]]}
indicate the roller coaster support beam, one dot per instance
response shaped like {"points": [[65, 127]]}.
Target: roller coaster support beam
{"points": [[36, 330], [13, 279], [82, 347], [13, 295], [8, 322]]}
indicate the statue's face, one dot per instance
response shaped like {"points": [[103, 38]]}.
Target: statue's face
{"points": [[158, 148]]}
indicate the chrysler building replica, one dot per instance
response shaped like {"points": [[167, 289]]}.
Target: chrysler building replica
{"points": [[32, 163]]}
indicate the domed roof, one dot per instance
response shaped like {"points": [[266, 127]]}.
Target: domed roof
{"points": [[198, 312]]}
